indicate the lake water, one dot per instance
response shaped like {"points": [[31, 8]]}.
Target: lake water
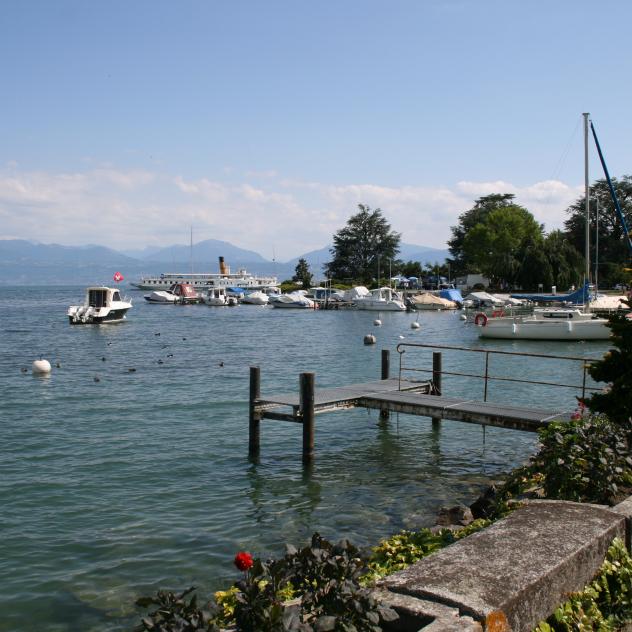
{"points": [[111, 489]]}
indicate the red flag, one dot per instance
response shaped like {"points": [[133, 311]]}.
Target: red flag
{"points": [[118, 277]]}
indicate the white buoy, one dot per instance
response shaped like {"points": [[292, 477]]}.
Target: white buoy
{"points": [[414, 325], [401, 337], [377, 322], [41, 367], [370, 339], [463, 317]]}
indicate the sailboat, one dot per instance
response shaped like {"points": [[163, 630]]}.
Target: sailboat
{"points": [[553, 323]]}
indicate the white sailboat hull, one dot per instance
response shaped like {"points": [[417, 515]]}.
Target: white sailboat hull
{"points": [[533, 328]]}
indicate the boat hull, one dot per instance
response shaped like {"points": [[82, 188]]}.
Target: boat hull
{"points": [[519, 329], [113, 316], [381, 307]]}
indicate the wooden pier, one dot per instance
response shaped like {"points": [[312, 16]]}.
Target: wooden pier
{"points": [[386, 395]]}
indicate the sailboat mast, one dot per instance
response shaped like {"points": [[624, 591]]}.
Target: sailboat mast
{"points": [[587, 197], [191, 250]]}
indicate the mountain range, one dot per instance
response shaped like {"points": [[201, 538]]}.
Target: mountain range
{"points": [[29, 263]]}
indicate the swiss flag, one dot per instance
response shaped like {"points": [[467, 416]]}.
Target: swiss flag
{"points": [[118, 277]]}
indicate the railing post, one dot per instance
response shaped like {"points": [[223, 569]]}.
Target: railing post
{"points": [[386, 369], [436, 381], [254, 420], [486, 375], [307, 381]]}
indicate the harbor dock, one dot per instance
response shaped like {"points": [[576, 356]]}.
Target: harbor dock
{"points": [[421, 398]]}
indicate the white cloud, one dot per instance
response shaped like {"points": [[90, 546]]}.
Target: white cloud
{"points": [[129, 209]]}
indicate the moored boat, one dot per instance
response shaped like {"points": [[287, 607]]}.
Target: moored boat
{"points": [[294, 300], [383, 299], [256, 298], [546, 324], [102, 305]]}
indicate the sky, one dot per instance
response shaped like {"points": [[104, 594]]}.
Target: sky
{"points": [[129, 123]]}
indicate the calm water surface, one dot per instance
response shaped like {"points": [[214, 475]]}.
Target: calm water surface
{"points": [[113, 488]]}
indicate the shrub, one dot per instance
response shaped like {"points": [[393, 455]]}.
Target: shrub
{"points": [[605, 604], [584, 460]]}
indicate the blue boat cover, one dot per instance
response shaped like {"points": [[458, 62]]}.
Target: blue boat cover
{"points": [[578, 297], [452, 295]]}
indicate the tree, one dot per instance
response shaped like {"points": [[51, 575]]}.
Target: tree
{"points": [[616, 369], [477, 214], [496, 245], [362, 245], [613, 249], [302, 274]]}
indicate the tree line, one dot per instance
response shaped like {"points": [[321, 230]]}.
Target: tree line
{"points": [[497, 238]]}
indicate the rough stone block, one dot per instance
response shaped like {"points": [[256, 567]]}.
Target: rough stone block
{"points": [[625, 509], [515, 573]]}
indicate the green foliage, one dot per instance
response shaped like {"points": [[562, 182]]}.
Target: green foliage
{"points": [[302, 275], [407, 547], [468, 220], [604, 605], [361, 245], [612, 243], [496, 245], [584, 460], [616, 369], [176, 613]]}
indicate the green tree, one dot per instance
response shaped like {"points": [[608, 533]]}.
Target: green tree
{"points": [[362, 245], [477, 214], [554, 261], [497, 244], [302, 274], [613, 249], [615, 368]]}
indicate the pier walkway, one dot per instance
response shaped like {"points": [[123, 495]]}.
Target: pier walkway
{"points": [[413, 398], [421, 398]]}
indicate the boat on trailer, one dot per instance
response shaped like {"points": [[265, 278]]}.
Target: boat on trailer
{"points": [[102, 305]]}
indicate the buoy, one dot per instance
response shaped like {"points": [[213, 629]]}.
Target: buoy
{"points": [[103, 359], [221, 364], [377, 322], [58, 365], [132, 370], [41, 366], [96, 378], [414, 325], [370, 339], [402, 337], [463, 317]]}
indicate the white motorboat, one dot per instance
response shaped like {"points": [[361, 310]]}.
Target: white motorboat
{"points": [[162, 297], [219, 297], [294, 300], [545, 324], [383, 299], [102, 305], [256, 298], [215, 297]]}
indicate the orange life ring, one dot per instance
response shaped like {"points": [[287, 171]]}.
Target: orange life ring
{"points": [[497, 313], [480, 319]]}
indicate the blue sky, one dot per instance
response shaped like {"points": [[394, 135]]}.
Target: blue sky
{"points": [[266, 123]]}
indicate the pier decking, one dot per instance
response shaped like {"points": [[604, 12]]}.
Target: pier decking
{"points": [[421, 398]]}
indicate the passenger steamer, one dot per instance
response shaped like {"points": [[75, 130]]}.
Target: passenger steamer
{"points": [[207, 280]]}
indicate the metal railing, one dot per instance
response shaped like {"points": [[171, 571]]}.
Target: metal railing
{"points": [[486, 377]]}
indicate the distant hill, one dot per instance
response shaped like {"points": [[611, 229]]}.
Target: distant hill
{"points": [[207, 251], [25, 262]]}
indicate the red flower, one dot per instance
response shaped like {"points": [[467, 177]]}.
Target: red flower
{"points": [[243, 561]]}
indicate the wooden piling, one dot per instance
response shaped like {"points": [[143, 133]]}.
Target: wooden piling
{"points": [[386, 370], [307, 381], [436, 382], [254, 417]]}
